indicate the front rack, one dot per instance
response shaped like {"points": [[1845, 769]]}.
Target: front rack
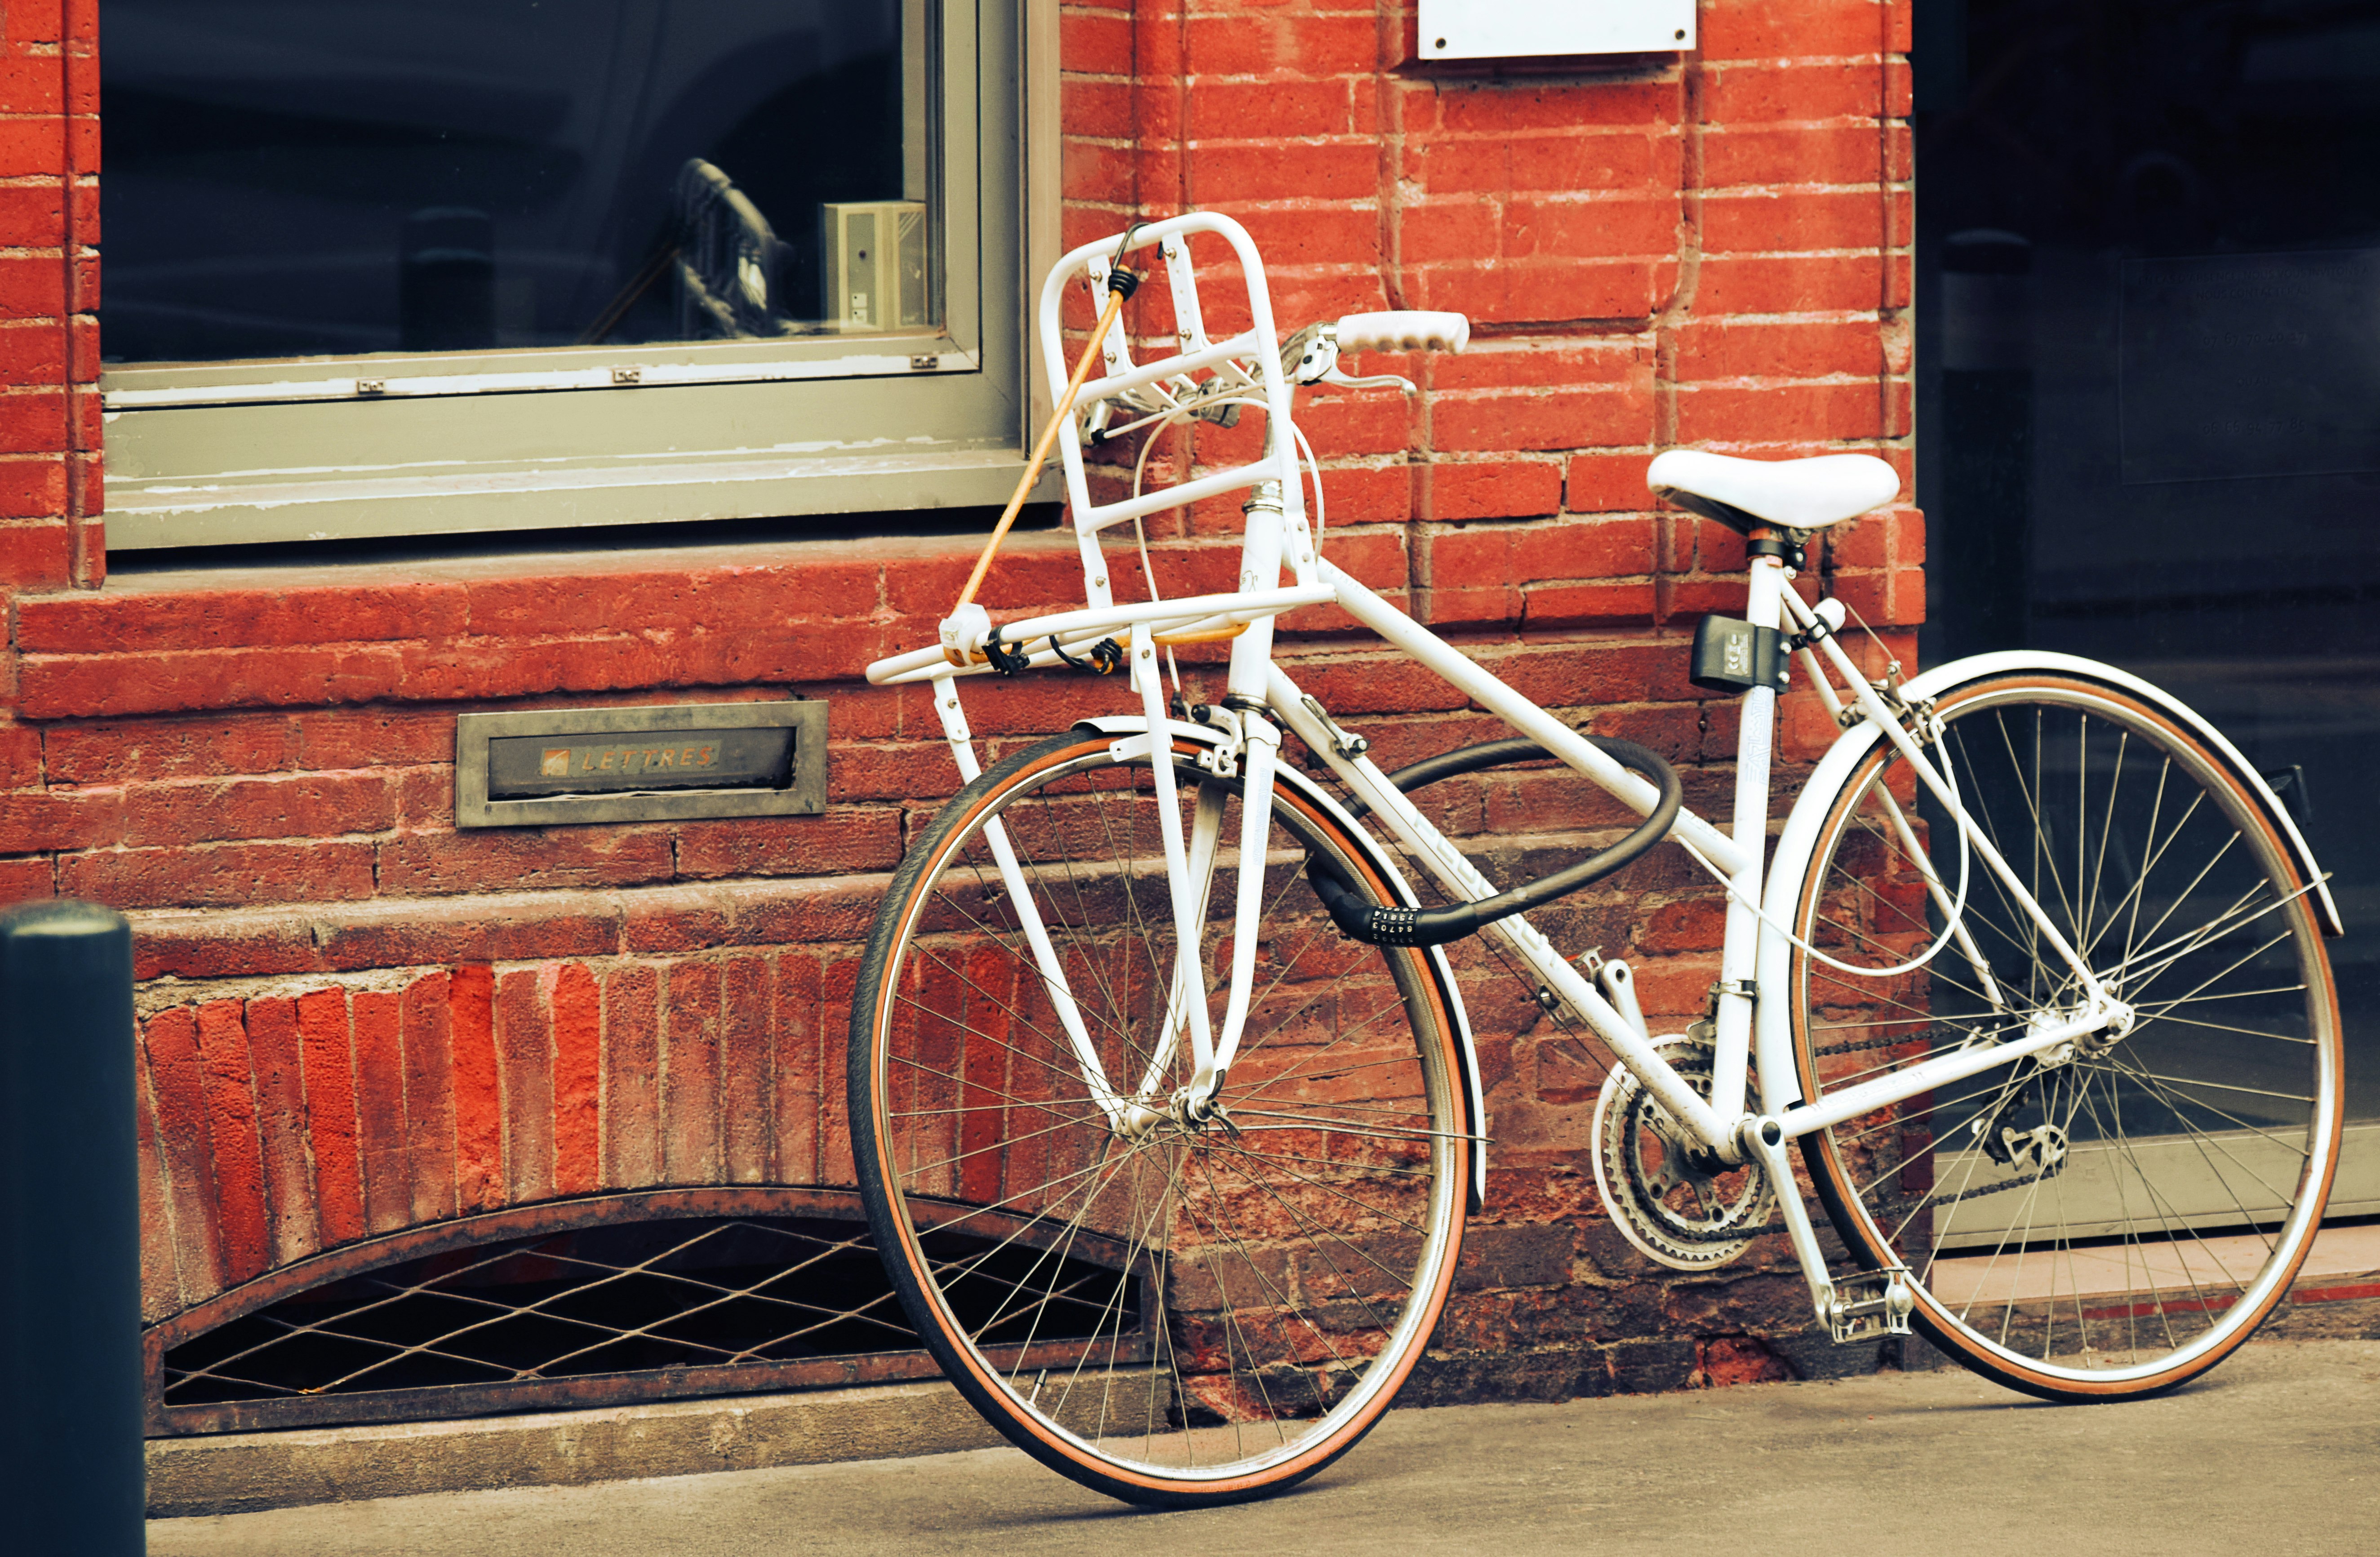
{"points": [[1247, 364]]}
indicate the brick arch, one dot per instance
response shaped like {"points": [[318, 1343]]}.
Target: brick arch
{"points": [[275, 1127]]}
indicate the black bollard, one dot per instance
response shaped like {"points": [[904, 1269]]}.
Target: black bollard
{"points": [[71, 1371]]}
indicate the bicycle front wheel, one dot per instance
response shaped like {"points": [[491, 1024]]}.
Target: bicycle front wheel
{"points": [[2115, 1220], [1180, 1312]]}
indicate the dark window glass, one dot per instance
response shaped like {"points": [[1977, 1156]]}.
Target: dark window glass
{"points": [[2149, 377], [295, 177]]}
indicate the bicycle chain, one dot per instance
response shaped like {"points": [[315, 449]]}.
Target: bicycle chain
{"points": [[1888, 1209], [1816, 1210], [1931, 1036], [1937, 1041]]}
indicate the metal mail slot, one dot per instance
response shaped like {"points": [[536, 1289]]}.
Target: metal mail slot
{"points": [[675, 762], [522, 767]]}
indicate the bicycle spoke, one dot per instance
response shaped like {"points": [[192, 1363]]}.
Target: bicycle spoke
{"points": [[2150, 1172], [1188, 1273]]}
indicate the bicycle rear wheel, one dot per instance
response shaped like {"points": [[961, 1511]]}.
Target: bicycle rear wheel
{"points": [[1198, 1314], [2115, 1221]]}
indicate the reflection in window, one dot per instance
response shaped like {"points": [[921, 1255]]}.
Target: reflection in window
{"points": [[287, 178], [2148, 348]]}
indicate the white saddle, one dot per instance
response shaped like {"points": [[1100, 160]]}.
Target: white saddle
{"points": [[1793, 493]]}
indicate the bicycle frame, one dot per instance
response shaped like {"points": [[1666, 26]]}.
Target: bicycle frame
{"points": [[1752, 1037], [1753, 937]]}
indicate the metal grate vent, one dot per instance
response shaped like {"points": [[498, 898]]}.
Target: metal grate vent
{"points": [[552, 1318]]}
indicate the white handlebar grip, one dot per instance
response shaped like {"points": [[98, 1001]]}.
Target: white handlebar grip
{"points": [[1404, 330]]}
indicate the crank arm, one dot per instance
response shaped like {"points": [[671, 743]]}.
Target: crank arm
{"points": [[1865, 1304]]}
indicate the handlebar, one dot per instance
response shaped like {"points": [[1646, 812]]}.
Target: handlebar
{"points": [[1404, 330], [1312, 355], [1309, 357]]}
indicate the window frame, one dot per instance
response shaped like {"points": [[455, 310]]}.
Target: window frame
{"points": [[325, 448]]}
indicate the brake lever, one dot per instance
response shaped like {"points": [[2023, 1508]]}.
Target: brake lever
{"points": [[1371, 381], [1311, 356], [1310, 353]]}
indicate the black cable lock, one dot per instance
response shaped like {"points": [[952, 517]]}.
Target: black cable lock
{"points": [[1382, 924], [1103, 657]]}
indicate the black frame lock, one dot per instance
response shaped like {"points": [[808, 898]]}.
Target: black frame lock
{"points": [[1735, 656]]}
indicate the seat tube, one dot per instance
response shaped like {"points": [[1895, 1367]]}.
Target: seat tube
{"points": [[1739, 959]]}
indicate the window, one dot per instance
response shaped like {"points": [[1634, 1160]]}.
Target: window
{"points": [[2147, 391], [418, 266]]}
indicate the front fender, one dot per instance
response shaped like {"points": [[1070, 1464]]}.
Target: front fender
{"points": [[1780, 1087], [1475, 1103]]}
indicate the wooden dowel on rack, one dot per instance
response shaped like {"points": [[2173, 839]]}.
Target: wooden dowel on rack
{"points": [[1116, 296]]}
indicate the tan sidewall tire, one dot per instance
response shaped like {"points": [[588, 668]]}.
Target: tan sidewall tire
{"points": [[903, 1257], [1828, 1174]]}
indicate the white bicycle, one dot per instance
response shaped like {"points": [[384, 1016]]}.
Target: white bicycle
{"points": [[1162, 1092]]}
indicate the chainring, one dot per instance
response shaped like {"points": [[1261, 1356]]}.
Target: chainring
{"points": [[1685, 1214]]}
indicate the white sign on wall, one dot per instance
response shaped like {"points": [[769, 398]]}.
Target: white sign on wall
{"points": [[1502, 29]]}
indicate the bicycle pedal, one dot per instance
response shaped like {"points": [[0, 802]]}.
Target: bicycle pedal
{"points": [[1870, 1304]]}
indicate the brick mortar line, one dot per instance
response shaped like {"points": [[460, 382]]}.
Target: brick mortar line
{"points": [[1822, 121], [168, 992], [1811, 316], [1659, 75], [366, 912], [1324, 137], [1773, 190], [81, 566], [277, 776], [172, 992], [1486, 394], [1758, 380], [1772, 61], [1734, 254], [365, 645], [1398, 461]]}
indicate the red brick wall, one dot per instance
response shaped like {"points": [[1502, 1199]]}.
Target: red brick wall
{"points": [[357, 1018], [278, 1126], [49, 288]]}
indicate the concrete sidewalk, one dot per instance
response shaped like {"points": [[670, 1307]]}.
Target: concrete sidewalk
{"points": [[2277, 1452]]}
